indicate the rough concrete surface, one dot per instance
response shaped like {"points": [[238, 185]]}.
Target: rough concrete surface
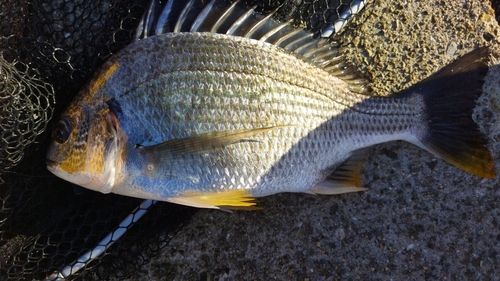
{"points": [[420, 218]]}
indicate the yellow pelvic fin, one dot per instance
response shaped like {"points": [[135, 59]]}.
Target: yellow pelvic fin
{"points": [[232, 199]]}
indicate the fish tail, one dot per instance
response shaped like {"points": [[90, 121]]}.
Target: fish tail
{"points": [[450, 97]]}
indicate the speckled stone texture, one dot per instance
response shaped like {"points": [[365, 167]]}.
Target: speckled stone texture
{"points": [[420, 219]]}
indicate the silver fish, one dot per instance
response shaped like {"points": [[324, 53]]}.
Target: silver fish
{"points": [[244, 106]]}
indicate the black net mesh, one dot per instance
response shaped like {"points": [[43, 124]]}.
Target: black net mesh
{"points": [[48, 50]]}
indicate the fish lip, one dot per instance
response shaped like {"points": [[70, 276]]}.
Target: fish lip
{"points": [[51, 165]]}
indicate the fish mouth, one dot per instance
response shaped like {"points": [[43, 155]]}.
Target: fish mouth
{"points": [[51, 165]]}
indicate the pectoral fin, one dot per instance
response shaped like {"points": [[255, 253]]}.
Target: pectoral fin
{"points": [[232, 199], [206, 142]]}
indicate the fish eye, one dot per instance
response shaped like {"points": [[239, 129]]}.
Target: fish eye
{"points": [[62, 131]]}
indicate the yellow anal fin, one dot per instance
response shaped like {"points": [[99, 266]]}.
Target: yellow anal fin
{"points": [[331, 187], [232, 199], [347, 177]]}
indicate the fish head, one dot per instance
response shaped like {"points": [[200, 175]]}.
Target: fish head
{"points": [[85, 147]]}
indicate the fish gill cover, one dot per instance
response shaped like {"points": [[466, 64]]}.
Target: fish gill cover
{"points": [[49, 49]]}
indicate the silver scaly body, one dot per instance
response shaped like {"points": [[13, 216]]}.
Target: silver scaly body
{"points": [[203, 82], [231, 104]]}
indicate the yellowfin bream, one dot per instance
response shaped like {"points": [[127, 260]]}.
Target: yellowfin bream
{"points": [[230, 105]]}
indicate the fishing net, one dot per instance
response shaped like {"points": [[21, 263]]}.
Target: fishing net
{"points": [[48, 50], [26, 104]]}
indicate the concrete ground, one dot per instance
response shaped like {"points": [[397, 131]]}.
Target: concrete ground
{"points": [[420, 218]]}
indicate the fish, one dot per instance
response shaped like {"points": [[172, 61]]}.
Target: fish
{"points": [[215, 105]]}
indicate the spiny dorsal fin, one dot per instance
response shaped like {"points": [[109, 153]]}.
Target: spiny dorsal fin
{"points": [[236, 20]]}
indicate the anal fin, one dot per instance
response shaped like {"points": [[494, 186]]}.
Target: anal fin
{"points": [[332, 187], [346, 178]]}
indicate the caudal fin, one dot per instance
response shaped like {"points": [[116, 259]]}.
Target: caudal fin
{"points": [[450, 97]]}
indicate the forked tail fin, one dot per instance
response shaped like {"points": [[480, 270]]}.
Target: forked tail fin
{"points": [[450, 97]]}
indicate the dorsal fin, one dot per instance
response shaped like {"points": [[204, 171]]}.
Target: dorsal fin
{"points": [[234, 19]]}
